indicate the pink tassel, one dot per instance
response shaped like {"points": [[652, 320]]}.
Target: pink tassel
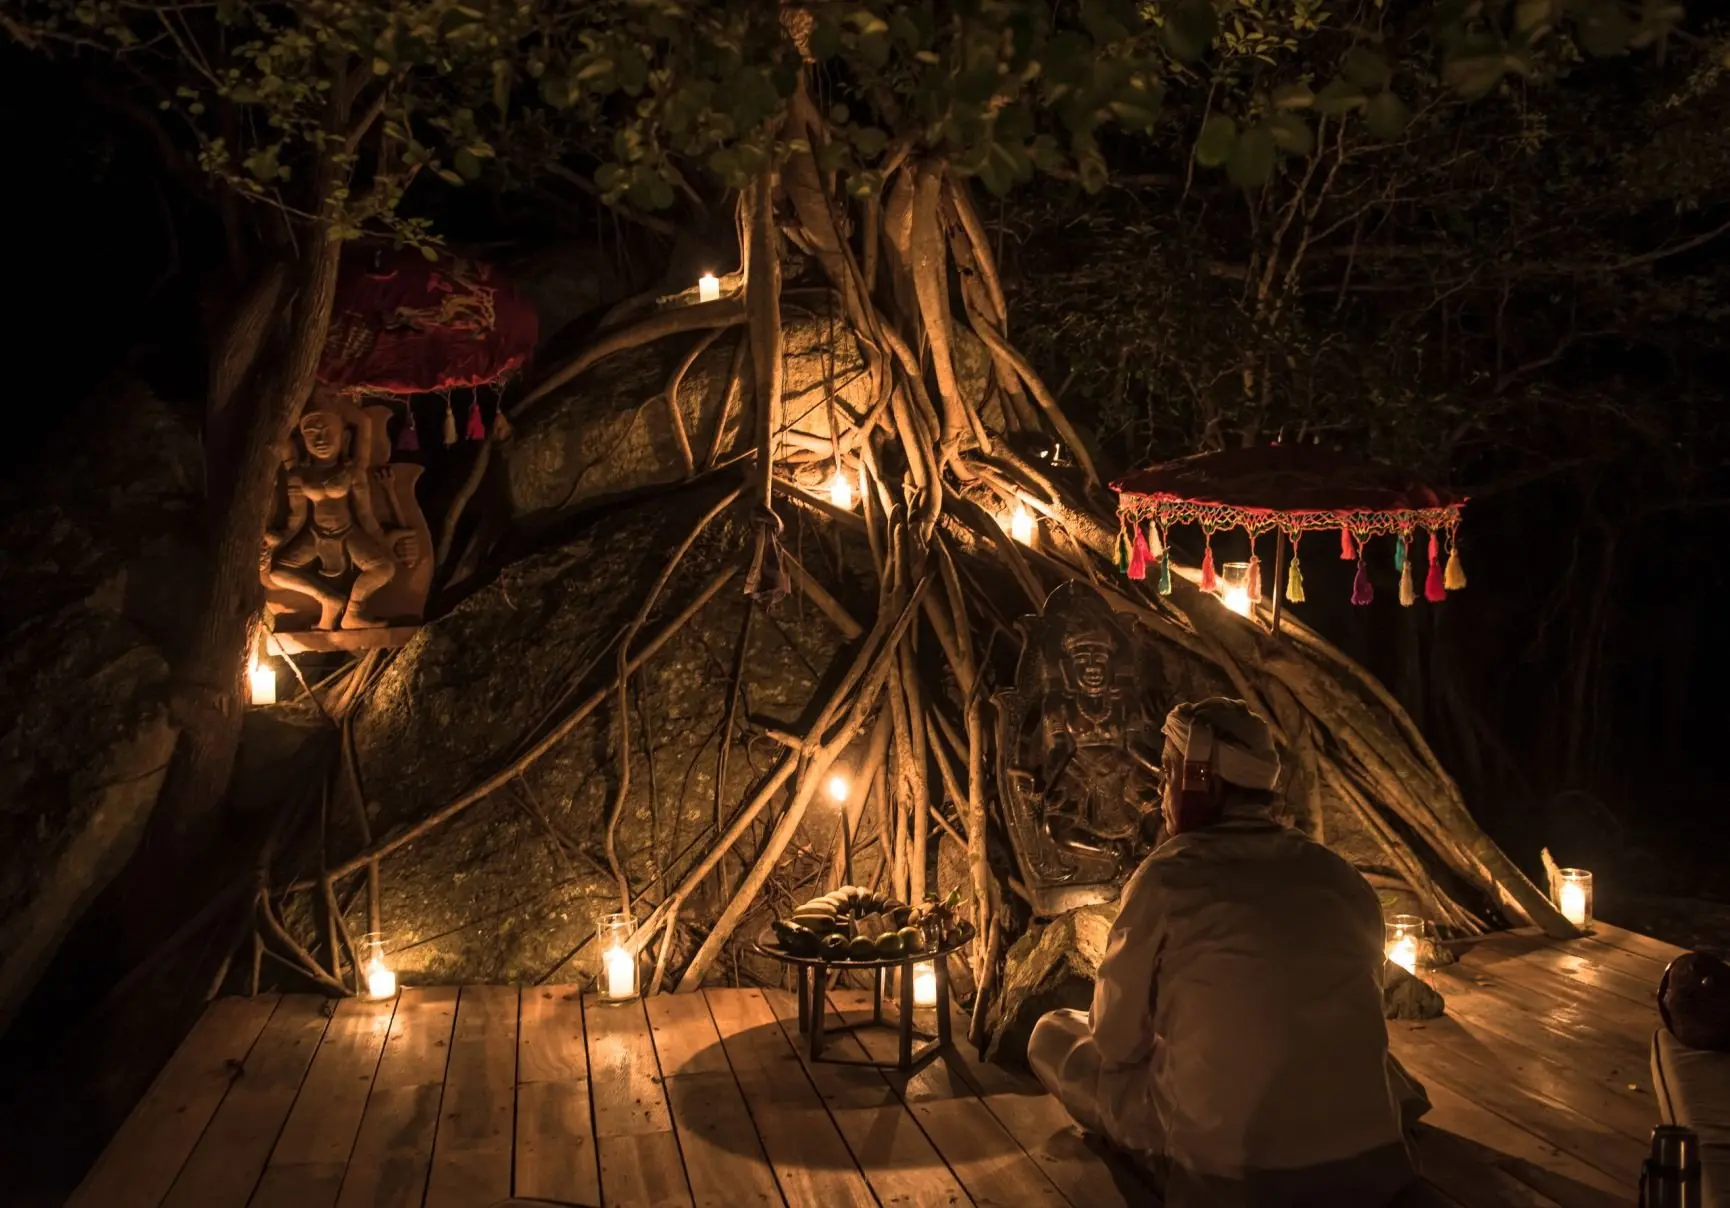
{"points": [[1435, 588], [407, 439], [477, 426], [1362, 592], [1209, 580], [1347, 553], [1254, 579], [1139, 555]]}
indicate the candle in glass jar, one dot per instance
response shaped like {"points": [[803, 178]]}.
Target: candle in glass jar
{"points": [[380, 981], [708, 288], [1574, 895], [621, 969], [1404, 937], [925, 984]]}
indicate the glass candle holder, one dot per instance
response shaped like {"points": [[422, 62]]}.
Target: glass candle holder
{"points": [[380, 980], [1234, 587], [708, 288], [1573, 895], [1404, 945], [618, 968]]}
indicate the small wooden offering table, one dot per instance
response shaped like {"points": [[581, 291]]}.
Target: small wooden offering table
{"points": [[813, 976]]}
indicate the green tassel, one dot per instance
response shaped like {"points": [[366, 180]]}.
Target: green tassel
{"points": [[1400, 554], [1165, 576]]}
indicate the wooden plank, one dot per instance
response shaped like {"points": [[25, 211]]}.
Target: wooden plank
{"points": [[1548, 1016], [1085, 1176], [686, 1041], [1466, 1173], [1528, 1158], [1654, 950], [1477, 1076], [990, 1163], [944, 1077], [642, 1170], [1627, 1021], [471, 1162], [225, 1165], [812, 1162], [306, 1167], [897, 1158], [555, 1134], [1573, 963], [624, 1078], [393, 1151], [141, 1162], [724, 1159]]}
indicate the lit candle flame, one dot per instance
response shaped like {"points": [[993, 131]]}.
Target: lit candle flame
{"points": [[1236, 599], [380, 981], [925, 984], [839, 787], [1573, 896], [1404, 953], [621, 970], [708, 288], [1021, 525], [262, 679], [841, 492]]}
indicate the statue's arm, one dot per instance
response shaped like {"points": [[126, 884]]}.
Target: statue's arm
{"points": [[297, 514], [361, 493]]}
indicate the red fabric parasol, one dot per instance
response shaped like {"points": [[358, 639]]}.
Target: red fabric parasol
{"points": [[1292, 489], [407, 325]]}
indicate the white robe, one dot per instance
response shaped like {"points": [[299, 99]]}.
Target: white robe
{"points": [[1236, 1036]]}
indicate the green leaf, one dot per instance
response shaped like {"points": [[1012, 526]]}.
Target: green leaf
{"points": [[1338, 97], [1291, 134], [449, 177], [1214, 145], [1190, 29], [1386, 116], [1251, 163], [869, 140], [1474, 75], [1293, 96], [874, 49], [1604, 29], [1366, 68], [467, 164], [1534, 17]]}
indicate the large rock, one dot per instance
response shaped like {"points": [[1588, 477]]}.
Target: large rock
{"points": [[97, 564], [515, 884], [1048, 968]]}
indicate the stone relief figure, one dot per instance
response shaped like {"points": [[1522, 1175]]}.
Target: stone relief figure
{"points": [[1079, 748], [349, 549]]}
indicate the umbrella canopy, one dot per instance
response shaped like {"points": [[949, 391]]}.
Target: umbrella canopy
{"points": [[1292, 489], [403, 324]]}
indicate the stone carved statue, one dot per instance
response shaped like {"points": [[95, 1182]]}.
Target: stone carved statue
{"points": [[348, 550], [1078, 753]]}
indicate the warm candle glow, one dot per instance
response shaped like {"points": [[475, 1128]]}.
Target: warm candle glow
{"points": [[708, 288], [839, 787], [1021, 525], [262, 677], [380, 981], [1234, 588], [1236, 599], [925, 984], [1574, 895], [1405, 934], [841, 492], [621, 969]]}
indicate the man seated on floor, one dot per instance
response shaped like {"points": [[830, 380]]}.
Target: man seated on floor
{"points": [[1236, 1039]]}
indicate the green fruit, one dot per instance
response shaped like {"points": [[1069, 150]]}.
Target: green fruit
{"points": [[912, 939], [889, 945], [862, 949], [834, 947]]}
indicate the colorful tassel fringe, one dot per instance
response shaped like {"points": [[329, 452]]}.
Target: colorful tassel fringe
{"points": [[1435, 589], [407, 439], [1408, 593], [1139, 556], [1362, 592], [1121, 554], [450, 424], [1209, 579], [477, 425], [1165, 576], [1456, 576], [1400, 555], [1294, 583], [1254, 584], [1156, 547], [1347, 553], [501, 425]]}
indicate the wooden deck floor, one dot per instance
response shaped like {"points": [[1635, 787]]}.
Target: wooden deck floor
{"points": [[453, 1098]]}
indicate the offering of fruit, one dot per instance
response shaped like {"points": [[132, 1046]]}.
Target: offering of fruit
{"points": [[852, 923], [912, 940], [890, 945], [798, 940], [834, 947], [862, 949]]}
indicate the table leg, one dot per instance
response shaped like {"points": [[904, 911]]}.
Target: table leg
{"points": [[819, 991], [941, 965], [905, 1059], [877, 976], [804, 1000]]}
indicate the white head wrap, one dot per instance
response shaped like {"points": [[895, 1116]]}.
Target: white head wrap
{"points": [[1244, 753]]}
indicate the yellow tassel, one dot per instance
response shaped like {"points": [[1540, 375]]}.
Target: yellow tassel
{"points": [[1456, 573], [1408, 593], [450, 432], [1294, 583]]}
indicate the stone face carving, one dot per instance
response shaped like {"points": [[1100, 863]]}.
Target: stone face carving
{"points": [[1078, 752], [348, 555]]}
